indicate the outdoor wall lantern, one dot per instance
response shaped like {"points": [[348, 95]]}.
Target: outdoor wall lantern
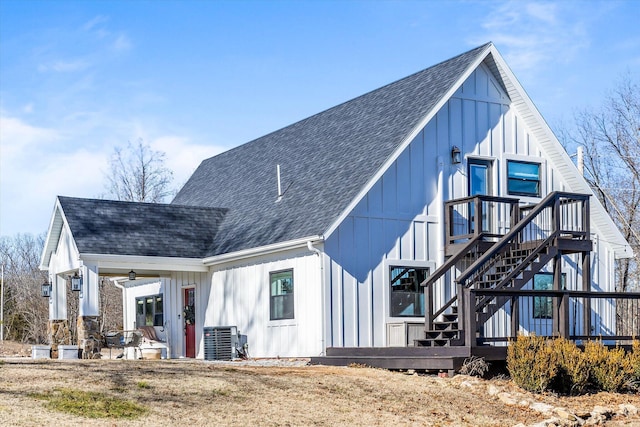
{"points": [[76, 282], [45, 290], [456, 155], [132, 275]]}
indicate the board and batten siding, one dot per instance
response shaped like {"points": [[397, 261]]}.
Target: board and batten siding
{"points": [[399, 221], [171, 288], [240, 296]]}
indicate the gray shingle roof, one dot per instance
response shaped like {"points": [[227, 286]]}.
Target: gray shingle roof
{"points": [[144, 229], [325, 160]]}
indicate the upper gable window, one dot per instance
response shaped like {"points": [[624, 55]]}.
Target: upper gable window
{"points": [[523, 178]]}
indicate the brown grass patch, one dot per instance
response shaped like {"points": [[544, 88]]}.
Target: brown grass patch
{"points": [[180, 392]]}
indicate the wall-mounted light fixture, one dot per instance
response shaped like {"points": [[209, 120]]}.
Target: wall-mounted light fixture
{"points": [[456, 155], [76, 282], [45, 289], [132, 275]]}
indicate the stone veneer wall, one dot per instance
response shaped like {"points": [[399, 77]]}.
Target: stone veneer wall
{"points": [[89, 338], [59, 334]]}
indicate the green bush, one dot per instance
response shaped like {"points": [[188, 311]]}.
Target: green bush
{"points": [[531, 363], [611, 369]]}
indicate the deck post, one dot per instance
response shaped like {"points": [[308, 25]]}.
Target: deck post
{"points": [[428, 308], [478, 219], [467, 310], [515, 317], [563, 314], [586, 269]]}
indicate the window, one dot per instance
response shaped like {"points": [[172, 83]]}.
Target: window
{"points": [[149, 311], [523, 178], [543, 306], [479, 176], [407, 297], [281, 300]]}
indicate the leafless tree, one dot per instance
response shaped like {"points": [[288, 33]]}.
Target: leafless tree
{"points": [[26, 312], [138, 174], [610, 136]]}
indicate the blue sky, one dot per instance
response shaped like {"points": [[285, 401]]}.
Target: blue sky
{"points": [[194, 78]]}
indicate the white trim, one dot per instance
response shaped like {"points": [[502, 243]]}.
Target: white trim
{"points": [[153, 263], [261, 250], [412, 135], [558, 157], [57, 224], [386, 265], [544, 181]]}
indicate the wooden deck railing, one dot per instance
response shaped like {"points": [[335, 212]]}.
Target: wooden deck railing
{"points": [[576, 315], [469, 217], [507, 227]]}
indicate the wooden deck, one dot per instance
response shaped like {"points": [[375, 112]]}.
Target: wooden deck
{"points": [[448, 359], [495, 247]]}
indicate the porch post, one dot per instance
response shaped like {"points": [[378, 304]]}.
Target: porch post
{"points": [[58, 328], [89, 337]]}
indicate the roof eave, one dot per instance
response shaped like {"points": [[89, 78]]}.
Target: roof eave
{"points": [[576, 182], [261, 250]]}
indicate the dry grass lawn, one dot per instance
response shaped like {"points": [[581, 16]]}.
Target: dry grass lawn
{"points": [[182, 392]]}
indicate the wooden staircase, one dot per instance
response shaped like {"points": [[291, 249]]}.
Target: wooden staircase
{"points": [[536, 238]]}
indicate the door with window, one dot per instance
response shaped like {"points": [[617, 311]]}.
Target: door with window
{"points": [[480, 183], [189, 315]]}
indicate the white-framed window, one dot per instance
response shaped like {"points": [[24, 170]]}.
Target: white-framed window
{"points": [[281, 301], [523, 178], [406, 294], [150, 310]]}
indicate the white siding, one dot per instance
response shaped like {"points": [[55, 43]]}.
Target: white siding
{"points": [[240, 294], [399, 220]]}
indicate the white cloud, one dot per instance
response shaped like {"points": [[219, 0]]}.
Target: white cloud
{"points": [[122, 44], [91, 24], [531, 34], [183, 157], [35, 168]]}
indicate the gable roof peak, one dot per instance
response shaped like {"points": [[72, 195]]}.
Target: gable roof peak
{"points": [[326, 160]]}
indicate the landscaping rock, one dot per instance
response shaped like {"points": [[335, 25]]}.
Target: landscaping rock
{"points": [[506, 399]]}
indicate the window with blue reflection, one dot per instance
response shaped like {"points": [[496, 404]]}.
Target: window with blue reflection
{"points": [[523, 178]]}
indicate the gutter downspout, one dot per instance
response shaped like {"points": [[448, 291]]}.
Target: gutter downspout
{"points": [[323, 291]]}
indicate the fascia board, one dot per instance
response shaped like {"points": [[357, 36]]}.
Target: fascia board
{"points": [[561, 159], [405, 143], [262, 250], [53, 235], [119, 262]]}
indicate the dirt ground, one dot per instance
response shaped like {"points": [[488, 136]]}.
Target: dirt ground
{"points": [[188, 392]]}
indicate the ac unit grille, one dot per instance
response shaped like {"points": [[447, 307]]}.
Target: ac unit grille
{"points": [[220, 342]]}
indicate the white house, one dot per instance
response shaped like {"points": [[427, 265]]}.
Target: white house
{"points": [[319, 235]]}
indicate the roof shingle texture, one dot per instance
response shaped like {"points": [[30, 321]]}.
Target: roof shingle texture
{"points": [[143, 229], [326, 160]]}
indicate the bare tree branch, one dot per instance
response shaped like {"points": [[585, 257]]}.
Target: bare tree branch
{"points": [[139, 174]]}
